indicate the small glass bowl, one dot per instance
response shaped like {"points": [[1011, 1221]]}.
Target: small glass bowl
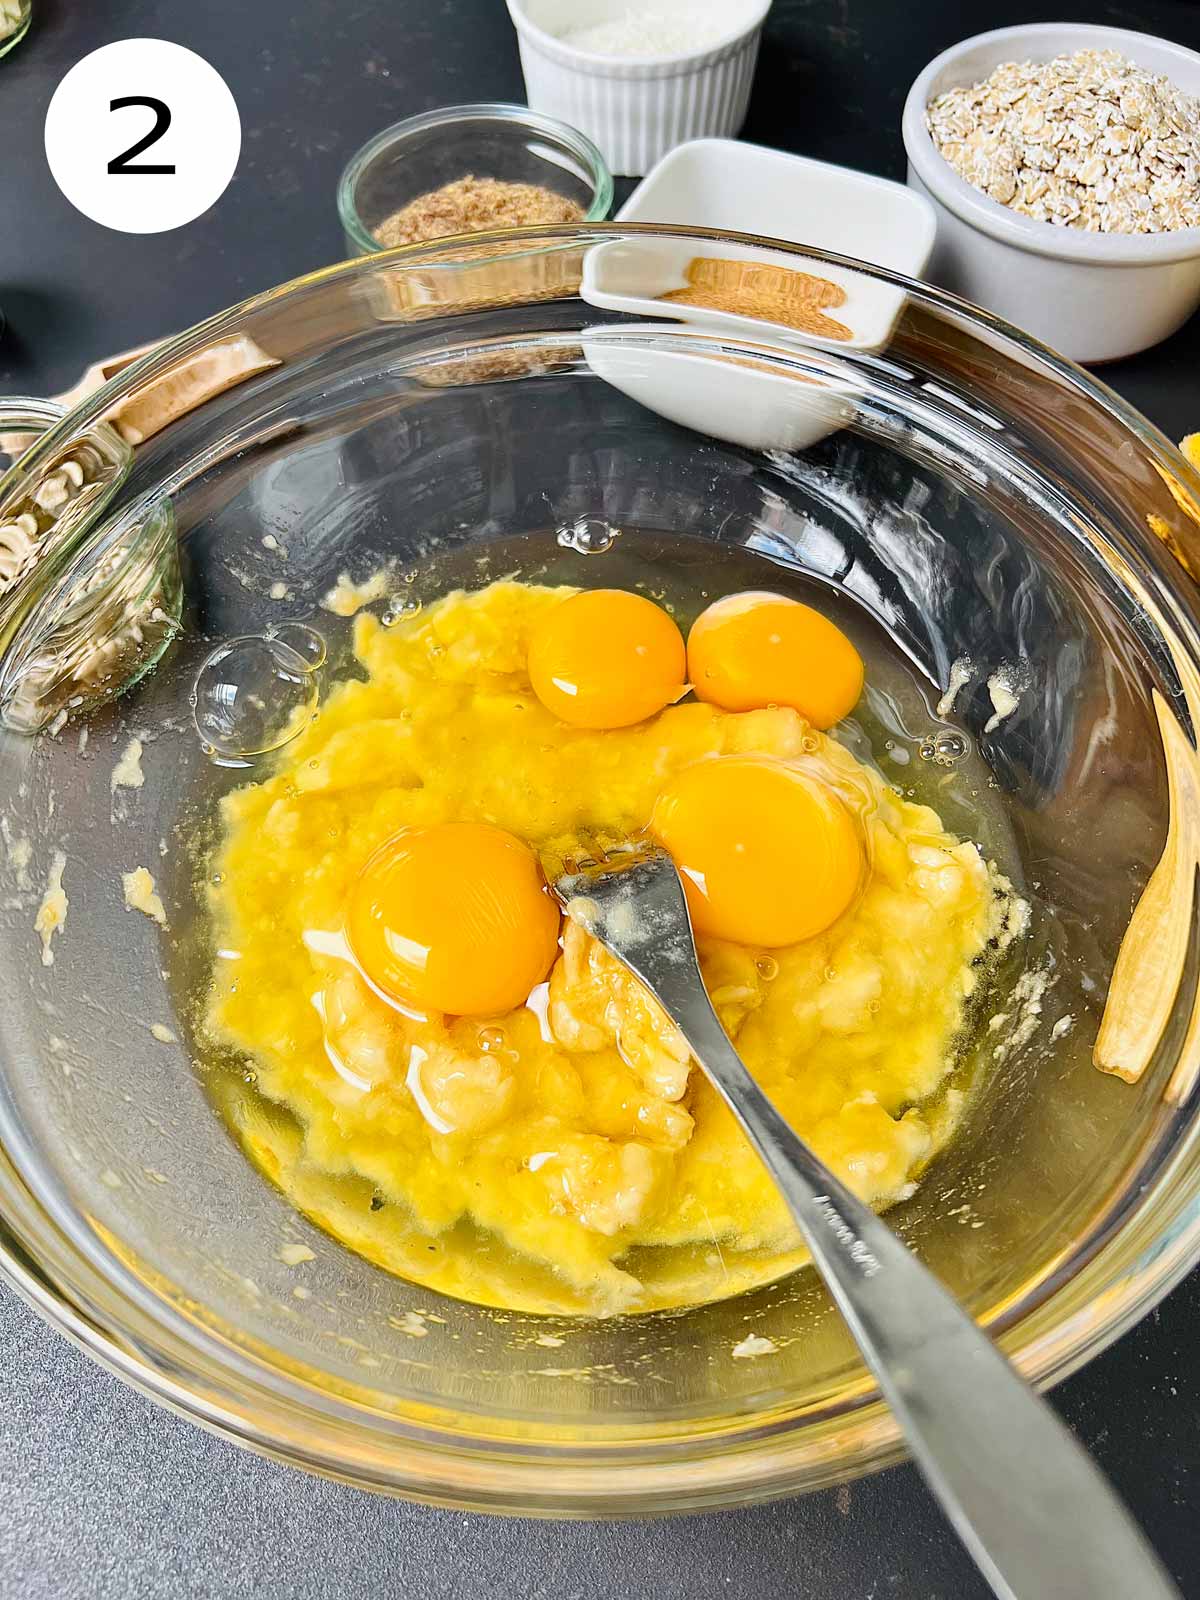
{"points": [[89, 600], [510, 143], [14, 23]]}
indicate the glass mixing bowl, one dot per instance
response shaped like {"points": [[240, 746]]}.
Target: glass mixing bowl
{"points": [[975, 495]]}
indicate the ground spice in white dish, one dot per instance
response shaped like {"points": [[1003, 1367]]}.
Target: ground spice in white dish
{"points": [[755, 289], [471, 205], [1089, 141]]}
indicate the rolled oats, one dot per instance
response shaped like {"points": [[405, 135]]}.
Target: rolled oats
{"points": [[1089, 141]]}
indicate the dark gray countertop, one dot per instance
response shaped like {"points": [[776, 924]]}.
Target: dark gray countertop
{"points": [[101, 1494]]}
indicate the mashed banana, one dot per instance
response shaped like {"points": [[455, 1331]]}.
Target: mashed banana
{"points": [[569, 1156]]}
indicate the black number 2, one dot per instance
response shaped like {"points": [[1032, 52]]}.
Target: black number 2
{"points": [[162, 121]]}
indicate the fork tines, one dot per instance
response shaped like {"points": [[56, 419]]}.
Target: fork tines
{"points": [[591, 853]]}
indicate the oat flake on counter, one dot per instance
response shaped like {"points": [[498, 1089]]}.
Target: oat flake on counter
{"points": [[1089, 141]]}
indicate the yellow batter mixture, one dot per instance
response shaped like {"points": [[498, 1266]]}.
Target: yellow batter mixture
{"points": [[568, 1156]]}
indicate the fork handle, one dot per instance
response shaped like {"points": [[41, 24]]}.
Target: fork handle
{"points": [[1037, 1516]]}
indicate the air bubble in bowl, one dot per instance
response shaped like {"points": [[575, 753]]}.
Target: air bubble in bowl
{"points": [[588, 536], [255, 694], [400, 608], [944, 749], [305, 641]]}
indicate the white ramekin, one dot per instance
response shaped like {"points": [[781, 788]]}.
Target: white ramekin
{"points": [[1093, 296], [635, 110]]}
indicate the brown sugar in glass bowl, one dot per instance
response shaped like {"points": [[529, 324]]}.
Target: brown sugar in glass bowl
{"points": [[470, 205], [467, 168]]}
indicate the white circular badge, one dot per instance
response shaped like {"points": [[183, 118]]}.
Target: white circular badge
{"points": [[143, 135]]}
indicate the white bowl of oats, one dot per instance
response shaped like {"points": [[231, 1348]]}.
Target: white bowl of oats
{"points": [[1064, 164]]}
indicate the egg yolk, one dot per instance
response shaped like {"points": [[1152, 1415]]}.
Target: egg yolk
{"points": [[752, 650], [454, 917], [606, 658], [768, 855]]}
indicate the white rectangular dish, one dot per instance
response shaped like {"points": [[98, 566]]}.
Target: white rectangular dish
{"points": [[723, 183], [720, 183]]}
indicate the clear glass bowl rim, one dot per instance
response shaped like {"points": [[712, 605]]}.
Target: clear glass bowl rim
{"points": [[64, 1274], [580, 146]]}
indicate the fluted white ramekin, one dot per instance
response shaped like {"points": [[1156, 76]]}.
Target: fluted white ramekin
{"points": [[636, 110]]}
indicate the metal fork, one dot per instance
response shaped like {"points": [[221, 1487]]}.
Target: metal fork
{"points": [[1036, 1515]]}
